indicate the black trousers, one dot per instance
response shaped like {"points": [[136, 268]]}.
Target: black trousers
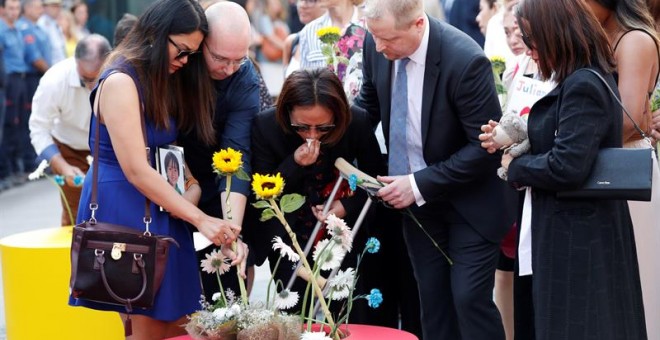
{"points": [[456, 300], [12, 148]]}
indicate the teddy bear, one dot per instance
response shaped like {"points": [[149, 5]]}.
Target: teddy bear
{"points": [[511, 134]]}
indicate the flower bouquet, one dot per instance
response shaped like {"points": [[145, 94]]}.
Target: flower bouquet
{"points": [[498, 65], [230, 317]]}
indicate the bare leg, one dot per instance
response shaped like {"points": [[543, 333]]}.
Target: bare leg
{"points": [[504, 299]]}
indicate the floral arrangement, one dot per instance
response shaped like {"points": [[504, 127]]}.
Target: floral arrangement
{"points": [[498, 64], [328, 255], [229, 316], [344, 55], [59, 181]]}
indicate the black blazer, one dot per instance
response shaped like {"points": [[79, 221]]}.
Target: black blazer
{"points": [[458, 97], [273, 151]]}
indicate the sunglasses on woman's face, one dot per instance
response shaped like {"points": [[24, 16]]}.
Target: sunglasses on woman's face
{"points": [[306, 128], [182, 53]]}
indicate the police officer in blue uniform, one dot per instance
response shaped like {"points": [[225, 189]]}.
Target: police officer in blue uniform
{"points": [[11, 161], [38, 57]]}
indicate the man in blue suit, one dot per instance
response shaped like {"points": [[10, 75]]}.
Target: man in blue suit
{"points": [[431, 120]]}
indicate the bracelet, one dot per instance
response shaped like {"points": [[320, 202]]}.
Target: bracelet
{"points": [[189, 182]]}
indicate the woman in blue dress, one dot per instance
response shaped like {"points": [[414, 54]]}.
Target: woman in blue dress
{"points": [[145, 75]]}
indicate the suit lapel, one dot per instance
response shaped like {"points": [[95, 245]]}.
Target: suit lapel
{"points": [[431, 76], [386, 83]]}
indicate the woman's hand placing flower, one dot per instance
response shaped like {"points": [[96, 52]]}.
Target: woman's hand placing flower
{"points": [[336, 208]]}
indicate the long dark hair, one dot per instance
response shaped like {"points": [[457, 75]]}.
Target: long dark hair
{"points": [[185, 95], [632, 15], [565, 37], [312, 87]]}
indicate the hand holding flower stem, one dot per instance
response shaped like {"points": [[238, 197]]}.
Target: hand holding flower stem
{"points": [[228, 162]]}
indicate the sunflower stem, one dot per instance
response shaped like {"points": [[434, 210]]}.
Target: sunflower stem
{"points": [[234, 246]]}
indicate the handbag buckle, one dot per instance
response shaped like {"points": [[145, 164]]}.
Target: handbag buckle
{"points": [[117, 249]]}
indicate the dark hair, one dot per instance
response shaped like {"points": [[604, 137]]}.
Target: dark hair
{"points": [[565, 35], [76, 5], [171, 158], [185, 95], [312, 87], [632, 15], [124, 26]]}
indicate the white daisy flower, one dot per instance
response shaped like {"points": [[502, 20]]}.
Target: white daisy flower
{"points": [[39, 171], [314, 336], [286, 299], [216, 261], [216, 296], [328, 255], [340, 285], [285, 250], [340, 232]]}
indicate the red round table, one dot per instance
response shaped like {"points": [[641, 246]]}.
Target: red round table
{"points": [[360, 332]]}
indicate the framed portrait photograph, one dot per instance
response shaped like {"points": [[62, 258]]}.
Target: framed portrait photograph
{"points": [[170, 165]]}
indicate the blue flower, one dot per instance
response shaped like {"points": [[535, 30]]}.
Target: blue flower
{"points": [[373, 245], [375, 298], [59, 179], [352, 182], [78, 180]]}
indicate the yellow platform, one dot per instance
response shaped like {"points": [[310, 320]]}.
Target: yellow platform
{"points": [[35, 273]]}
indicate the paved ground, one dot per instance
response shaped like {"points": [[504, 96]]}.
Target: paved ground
{"points": [[35, 205]]}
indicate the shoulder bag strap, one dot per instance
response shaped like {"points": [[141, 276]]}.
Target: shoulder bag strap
{"points": [[618, 101], [93, 205]]}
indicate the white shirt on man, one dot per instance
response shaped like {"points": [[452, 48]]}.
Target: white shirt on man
{"points": [[60, 110]]}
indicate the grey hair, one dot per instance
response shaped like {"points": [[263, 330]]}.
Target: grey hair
{"points": [[93, 47], [403, 11]]}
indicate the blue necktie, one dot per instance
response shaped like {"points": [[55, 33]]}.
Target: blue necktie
{"points": [[398, 153]]}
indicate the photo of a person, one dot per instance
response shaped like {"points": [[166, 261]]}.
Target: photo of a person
{"points": [[171, 169]]}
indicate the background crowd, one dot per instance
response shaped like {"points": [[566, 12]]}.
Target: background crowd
{"points": [[410, 96]]}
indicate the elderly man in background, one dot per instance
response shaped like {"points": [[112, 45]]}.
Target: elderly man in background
{"points": [[59, 124]]}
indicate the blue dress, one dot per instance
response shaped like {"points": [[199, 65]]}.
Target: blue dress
{"points": [[121, 203]]}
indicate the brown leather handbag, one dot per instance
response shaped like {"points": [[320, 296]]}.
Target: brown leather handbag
{"points": [[114, 264]]}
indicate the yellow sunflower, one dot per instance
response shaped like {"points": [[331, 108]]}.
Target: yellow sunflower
{"points": [[227, 161], [267, 186], [329, 35]]}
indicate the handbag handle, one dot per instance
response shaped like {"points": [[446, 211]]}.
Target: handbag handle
{"points": [[93, 204], [618, 101]]}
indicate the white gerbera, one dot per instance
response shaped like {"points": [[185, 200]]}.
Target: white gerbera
{"points": [[216, 261], [314, 336], [286, 299], [39, 171], [339, 231], [339, 287], [285, 250], [328, 255]]}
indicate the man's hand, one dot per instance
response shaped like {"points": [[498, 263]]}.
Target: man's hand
{"points": [[238, 257], [397, 192]]}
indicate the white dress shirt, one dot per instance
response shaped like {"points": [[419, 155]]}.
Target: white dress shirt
{"points": [[60, 109], [415, 72]]}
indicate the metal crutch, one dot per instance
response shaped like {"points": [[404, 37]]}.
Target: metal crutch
{"points": [[317, 227]]}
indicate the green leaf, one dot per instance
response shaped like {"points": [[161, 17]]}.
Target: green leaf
{"points": [[266, 215], [291, 202], [242, 175], [261, 204]]}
